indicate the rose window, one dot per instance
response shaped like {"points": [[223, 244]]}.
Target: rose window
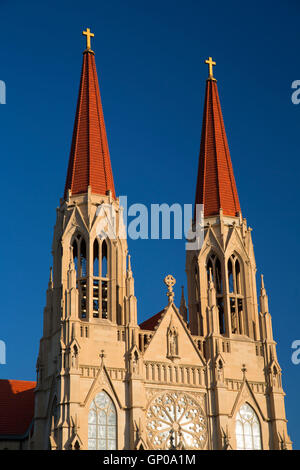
{"points": [[176, 420]]}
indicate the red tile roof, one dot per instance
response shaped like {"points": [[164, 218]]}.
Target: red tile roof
{"points": [[216, 186], [16, 406], [151, 322], [89, 162]]}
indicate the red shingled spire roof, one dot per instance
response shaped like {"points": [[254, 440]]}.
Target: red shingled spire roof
{"points": [[216, 186], [89, 162]]}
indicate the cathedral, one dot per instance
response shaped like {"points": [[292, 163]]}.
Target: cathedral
{"points": [[203, 375]]}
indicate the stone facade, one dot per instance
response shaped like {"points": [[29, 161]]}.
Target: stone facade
{"points": [[82, 354], [204, 376]]}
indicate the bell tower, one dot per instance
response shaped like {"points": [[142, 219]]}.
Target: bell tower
{"points": [[222, 294], [90, 316], [209, 370]]}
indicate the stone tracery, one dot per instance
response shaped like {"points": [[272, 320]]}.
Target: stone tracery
{"points": [[174, 418]]}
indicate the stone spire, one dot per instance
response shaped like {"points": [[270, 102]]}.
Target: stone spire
{"points": [[50, 283], [212, 309], [183, 307], [263, 298], [216, 187], [211, 294], [129, 278], [89, 162], [265, 317]]}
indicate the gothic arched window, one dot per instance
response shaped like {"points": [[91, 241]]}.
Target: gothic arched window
{"points": [[102, 424], [236, 300], [80, 262], [247, 429], [100, 281], [104, 279], [213, 268]]}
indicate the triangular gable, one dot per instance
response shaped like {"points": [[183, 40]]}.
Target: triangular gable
{"points": [[235, 243], [187, 350], [211, 242], [76, 220], [246, 395], [102, 381]]}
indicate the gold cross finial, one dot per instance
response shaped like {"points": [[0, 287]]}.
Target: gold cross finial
{"points": [[210, 63], [88, 35]]}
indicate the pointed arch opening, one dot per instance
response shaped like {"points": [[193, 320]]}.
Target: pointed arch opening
{"points": [[104, 259], [236, 297], [80, 263], [214, 269], [96, 274], [247, 429], [75, 255], [96, 258], [104, 279], [102, 423], [100, 279]]}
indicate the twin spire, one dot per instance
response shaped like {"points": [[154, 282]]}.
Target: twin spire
{"points": [[89, 161], [216, 188]]}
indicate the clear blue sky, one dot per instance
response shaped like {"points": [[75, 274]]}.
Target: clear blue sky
{"points": [[152, 77]]}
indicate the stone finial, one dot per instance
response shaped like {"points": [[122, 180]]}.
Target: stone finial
{"points": [[50, 283], [129, 263], [102, 355], [170, 281], [263, 298], [244, 370], [210, 278], [71, 261], [183, 307]]}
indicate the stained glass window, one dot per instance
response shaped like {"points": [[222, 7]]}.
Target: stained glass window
{"points": [[247, 429], [102, 424]]}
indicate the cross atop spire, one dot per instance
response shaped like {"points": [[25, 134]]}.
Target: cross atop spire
{"points": [[88, 35], [210, 63], [89, 162], [216, 188]]}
